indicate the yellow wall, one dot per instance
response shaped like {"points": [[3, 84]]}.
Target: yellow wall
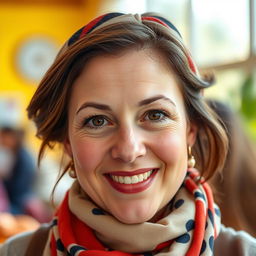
{"points": [[18, 22]]}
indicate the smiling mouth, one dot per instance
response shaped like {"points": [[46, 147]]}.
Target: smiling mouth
{"points": [[132, 179], [135, 183]]}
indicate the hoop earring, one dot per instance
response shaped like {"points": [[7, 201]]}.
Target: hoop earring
{"points": [[71, 171], [191, 159]]}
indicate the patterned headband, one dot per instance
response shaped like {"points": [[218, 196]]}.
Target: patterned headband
{"points": [[111, 18]]}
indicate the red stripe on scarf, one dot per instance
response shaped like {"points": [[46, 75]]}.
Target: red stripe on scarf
{"points": [[208, 192], [74, 231], [163, 245], [85, 236], [200, 221], [66, 233], [78, 232], [53, 248], [200, 217]]}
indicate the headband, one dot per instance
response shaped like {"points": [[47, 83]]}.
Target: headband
{"points": [[114, 17]]}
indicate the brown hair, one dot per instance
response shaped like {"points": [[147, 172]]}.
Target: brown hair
{"points": [[49, 105], [235, 186]]}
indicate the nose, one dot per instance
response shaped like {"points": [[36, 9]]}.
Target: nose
{"points": [[128, 145]]}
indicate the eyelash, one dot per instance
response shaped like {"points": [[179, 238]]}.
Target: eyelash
{"points": [[93, 117], [165, 115]]}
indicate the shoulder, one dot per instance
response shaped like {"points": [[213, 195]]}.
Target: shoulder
{"points": [[231, 242], [16, 245]]}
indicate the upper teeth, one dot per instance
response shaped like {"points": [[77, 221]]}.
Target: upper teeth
{"points": [[131, 179]]}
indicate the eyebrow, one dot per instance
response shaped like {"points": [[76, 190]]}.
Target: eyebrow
{"points": [[141, 103], [93, 105], [155, 98]]}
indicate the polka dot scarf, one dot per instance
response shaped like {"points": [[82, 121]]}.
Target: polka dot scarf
{"points": [[189, 226]]}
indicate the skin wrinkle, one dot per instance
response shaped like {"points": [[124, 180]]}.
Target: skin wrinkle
{"points": [[171, 56], [132, 142]]}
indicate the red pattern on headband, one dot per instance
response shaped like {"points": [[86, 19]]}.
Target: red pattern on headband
{"points": [[105, 17], [190, 61], [155, 20], [91, 25]]}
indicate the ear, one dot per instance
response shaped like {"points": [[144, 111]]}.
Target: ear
{"points": [[192, 129], [67, 147]]}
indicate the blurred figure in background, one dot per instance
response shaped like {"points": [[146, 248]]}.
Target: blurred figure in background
{"points": [[19, 175], [18, 171], [5, 165], [235, 187], [4, 202]]}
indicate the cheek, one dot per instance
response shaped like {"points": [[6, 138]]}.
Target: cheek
{"points": [[171, 147], [87, 155]]}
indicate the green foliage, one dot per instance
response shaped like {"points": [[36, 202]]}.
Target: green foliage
{"points": [[248, 104]]}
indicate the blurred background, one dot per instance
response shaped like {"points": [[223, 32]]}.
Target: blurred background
{"points": [[220, 34]]}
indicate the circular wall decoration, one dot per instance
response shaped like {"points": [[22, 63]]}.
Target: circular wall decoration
{"points": [[34, 57]]}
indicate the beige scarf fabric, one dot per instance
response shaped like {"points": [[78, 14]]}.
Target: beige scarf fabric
{"points": [[177, 226]]}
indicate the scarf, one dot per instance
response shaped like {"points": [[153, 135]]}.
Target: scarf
{"points": [[189, 227]]}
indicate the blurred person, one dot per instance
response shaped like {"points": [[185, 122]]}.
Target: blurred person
{"points": [[13, 218], [4, 201], [235, 186], [124, 99], [5, 165], [19, 175]]}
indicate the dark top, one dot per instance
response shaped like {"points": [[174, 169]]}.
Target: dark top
{"points": [[19, 185]]}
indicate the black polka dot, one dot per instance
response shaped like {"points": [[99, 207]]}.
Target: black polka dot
{"points": [[203, 247], [183, 239], [54, 222], [148, 254], [198, 194], [60, 245], [75, 248], [190, 225], [210, 216], [97, 211], [206, 225], [179, 203], [211, 242]]}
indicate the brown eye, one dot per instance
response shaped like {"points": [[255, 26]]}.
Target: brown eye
{"points": [[155, 115], [98, 121]]}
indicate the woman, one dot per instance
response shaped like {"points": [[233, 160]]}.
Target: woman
{"points": [[125, 100]]}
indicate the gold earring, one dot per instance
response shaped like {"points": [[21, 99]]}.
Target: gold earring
{"points": [[191, 159], [72, 172]]}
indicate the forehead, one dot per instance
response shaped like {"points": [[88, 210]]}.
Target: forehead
{"points": [[131, 75]]}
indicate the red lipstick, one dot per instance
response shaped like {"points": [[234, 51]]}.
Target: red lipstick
{"points": [[132, 188]]}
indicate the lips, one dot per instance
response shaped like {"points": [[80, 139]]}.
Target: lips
{"points": [[132, 182]]}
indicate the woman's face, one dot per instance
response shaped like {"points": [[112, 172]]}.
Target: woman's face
{"points": [[128, 134]]}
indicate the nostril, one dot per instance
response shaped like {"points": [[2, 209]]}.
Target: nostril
{"points": [[127, 146]]}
